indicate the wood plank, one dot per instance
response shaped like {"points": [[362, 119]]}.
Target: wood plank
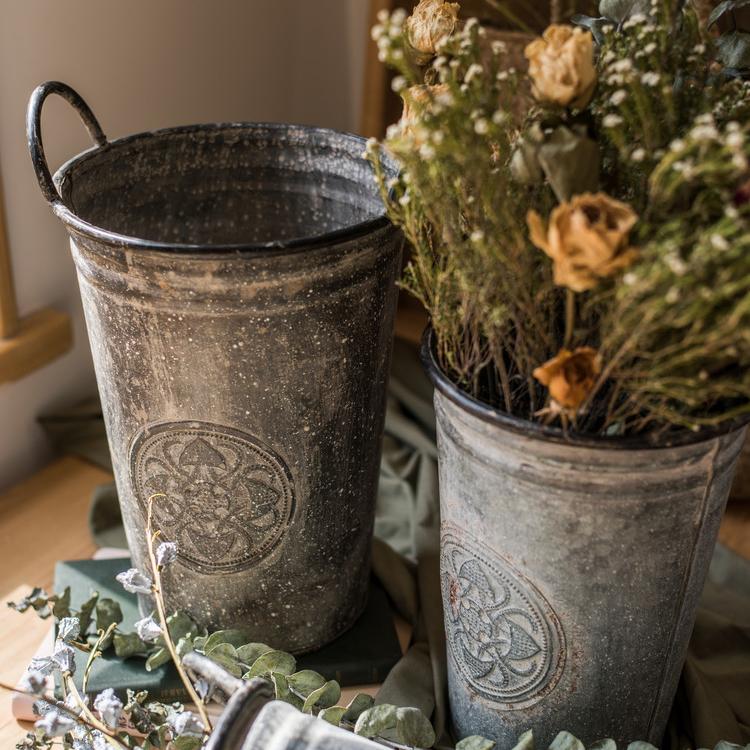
{"points": [[42, 520], [41, 338]]}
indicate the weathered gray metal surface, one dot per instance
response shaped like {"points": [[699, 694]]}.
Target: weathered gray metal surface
{"points": [[570, 573], [238, 283]]}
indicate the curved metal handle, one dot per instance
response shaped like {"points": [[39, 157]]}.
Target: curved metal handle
{"points": [[34, 131]]}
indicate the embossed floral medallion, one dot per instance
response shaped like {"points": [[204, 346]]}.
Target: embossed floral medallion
{"points": [[228, 499], [502, 633]]}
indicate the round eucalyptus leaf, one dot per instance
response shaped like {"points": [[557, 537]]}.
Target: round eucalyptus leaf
{"points": [[325, 696], [525, 741], [233, 637], [129, 644], [607, 744], [272, 661], [225, 655], [283, 693], [306, 681], [475, 742], [157, 658], [414, 728], [376, 720], [249, 652], [333, 714], [566, 741], [641, 746], [360, 703]]}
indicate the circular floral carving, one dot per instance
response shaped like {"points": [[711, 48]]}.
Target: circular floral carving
{"points": [[502, 634], [226, 498]]}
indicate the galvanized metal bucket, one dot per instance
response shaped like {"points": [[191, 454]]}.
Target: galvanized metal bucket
{"points": [[571, 570], [238, 283]]}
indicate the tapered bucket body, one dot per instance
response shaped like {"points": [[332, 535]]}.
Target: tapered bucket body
{"points": [[571, 572], [238, 284]]}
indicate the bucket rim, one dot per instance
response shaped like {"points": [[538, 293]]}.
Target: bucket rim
{"points": [[295, 245], [550, 434]]}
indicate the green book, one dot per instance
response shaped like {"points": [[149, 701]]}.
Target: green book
{"points": [[363, 655]]}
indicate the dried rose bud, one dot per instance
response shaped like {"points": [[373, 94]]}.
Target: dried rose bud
{"points": [[587, 239], [561, 66], [430, 21], [570, 377]]}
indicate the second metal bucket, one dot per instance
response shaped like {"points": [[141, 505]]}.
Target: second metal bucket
{"points": [[238, 283]]}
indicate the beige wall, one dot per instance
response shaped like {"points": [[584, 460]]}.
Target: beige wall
{"points": [[145, 64]]}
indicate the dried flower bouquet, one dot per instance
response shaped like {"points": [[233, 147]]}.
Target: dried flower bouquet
{"points": [[580, 231]]}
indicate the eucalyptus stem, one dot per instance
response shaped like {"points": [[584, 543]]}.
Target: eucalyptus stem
{"points": [[91, 718], [160, 608]]}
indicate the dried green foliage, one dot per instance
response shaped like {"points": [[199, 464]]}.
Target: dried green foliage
{"points": [[664, 133]]}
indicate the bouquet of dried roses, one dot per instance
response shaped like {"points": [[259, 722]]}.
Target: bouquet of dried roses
{"points": [[579, 230]]}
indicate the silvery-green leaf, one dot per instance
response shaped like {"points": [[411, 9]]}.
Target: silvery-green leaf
{"points": [[248, 653], [306, 681], [283, 693], [475, 742], [225, 655], [109, 707], [108, 612], [65, 658], [184, 646], [185, 722], [129, 644], [414, 728], [157, 658], [234, 637], [360, 703], [723, 744], [199, 642], [571, 163], [524, 163], [376, 720], [166, 554], [55, 724], [44, 664], [332, 715], [272, 661], [33, 681], [594, 25], [641, 746], [134, 582], [148, 629], [525, 741], [566, 741], [606, 744], [734, 49], [68, 629], [725, 7], [325, 696]]}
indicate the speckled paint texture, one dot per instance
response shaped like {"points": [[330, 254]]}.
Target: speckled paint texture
{"points": [[571, 573], [239, 288]]}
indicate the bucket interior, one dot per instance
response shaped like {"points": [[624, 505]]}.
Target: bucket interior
{"points": [[224, 185]]}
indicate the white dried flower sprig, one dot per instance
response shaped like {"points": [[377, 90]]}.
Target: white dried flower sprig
{"points": [[135, 582], [109, 707]]}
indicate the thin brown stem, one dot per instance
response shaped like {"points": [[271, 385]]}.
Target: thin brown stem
{"points": [[570, 317], [161, 610]]}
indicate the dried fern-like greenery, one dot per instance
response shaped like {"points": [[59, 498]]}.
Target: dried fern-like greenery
{"points": [[621, 304]]}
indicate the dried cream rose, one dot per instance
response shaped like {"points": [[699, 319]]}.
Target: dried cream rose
{"points": [[570, 377], [430, 21], [587, 239], [561, 66], [419, 99]]}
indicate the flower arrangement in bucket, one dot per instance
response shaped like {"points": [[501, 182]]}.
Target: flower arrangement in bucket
{"points": [[584, 263], [579, 235]]}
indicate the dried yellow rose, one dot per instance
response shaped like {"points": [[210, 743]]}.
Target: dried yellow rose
{"points": [[570, 377], [587, 239], [561, 66], [430, 21]]}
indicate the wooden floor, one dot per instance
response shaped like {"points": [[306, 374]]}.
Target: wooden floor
{"points": [[43, 520]]}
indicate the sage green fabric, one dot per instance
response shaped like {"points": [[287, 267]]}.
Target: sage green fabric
{"points": [[713, 701]]}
